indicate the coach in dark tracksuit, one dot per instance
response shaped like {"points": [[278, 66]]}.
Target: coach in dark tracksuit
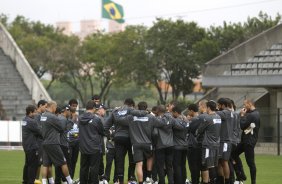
{"points": [[164, 146], [90, 143], [250, 124], [30, 134], [194, 150], [64, 113], [180, 145], [122, 140]]}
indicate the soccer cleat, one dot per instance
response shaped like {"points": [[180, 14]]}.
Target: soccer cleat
{"points": [[156, 182], [149, 181], [76, 181], [103, 181], [37, 182], [132, 180], [238, 182], [187, 181]]}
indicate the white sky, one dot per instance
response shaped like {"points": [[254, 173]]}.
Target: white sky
{"points": [[204, 12]]}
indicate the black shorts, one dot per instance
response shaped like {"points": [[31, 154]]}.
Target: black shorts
{"points": [[209, 158], [225, 151], [141, 151], [53, 154]]}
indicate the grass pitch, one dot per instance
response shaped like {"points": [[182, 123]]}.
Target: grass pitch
{"points": [[269, 168]]}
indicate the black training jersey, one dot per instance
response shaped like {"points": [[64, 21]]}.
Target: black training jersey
{"points": [[165, 133], [51, 128], [30, 134], [120, 130], [180, 133], [236, 128], [91, 133], [191, 130], [245, 122], [227, 123], [210, 129], [66, 125], [202, 120], [141, 124]]}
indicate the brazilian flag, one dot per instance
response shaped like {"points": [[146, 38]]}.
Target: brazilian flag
{"points": [[112, 10]]}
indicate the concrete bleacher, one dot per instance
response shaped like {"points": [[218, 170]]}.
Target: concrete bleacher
{"points": [[251, 70], [19, 85], [267, 62], [256, 62], [14, 95]]}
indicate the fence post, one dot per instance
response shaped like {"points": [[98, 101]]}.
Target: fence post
{"points": [[278, 132]]}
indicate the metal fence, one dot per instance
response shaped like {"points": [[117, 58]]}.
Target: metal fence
{"points": [[269, 140]]}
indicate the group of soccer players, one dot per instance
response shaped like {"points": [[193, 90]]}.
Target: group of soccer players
{"points": [[210, 135]]}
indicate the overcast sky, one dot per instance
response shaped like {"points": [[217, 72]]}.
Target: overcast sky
{"points": [[204, 12]]}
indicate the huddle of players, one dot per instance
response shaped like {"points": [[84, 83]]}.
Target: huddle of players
{"points": [[161, 139], [49, 135], [159, 142]]}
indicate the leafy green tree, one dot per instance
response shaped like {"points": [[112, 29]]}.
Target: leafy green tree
{"points": [[98, 53], [232, 34], [4, 19], [170, 54], [256, 25]]}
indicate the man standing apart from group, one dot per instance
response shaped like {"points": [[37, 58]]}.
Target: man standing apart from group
{"points": [[250, 124]]}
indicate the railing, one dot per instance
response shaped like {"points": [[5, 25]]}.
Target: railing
{"points": [[279, 114], [244, 69], [30, 79]]}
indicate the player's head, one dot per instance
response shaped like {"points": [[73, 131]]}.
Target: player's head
{"points": [[96, 99], [73, 103], [192, 109], [176, 111], [171, 105], [203, 106], [142, 106], [249, 104], [100, 109], [41, 106], [30, 110], [129, 102], [65, 110], [211, 106], [90, 106], [51, 106], [161, 109], [222, 103]]}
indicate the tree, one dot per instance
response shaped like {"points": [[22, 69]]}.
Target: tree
{"points": [[169, 51], [259, 24], [231, 34], [4, 19]]}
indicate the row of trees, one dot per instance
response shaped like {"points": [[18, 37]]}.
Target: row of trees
{"points": [[169, 51]]}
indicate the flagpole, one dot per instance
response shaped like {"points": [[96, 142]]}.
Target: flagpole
{"points": [[103, 19]]}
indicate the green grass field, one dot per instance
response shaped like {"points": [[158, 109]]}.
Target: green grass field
{"points": [[269, 168]]}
